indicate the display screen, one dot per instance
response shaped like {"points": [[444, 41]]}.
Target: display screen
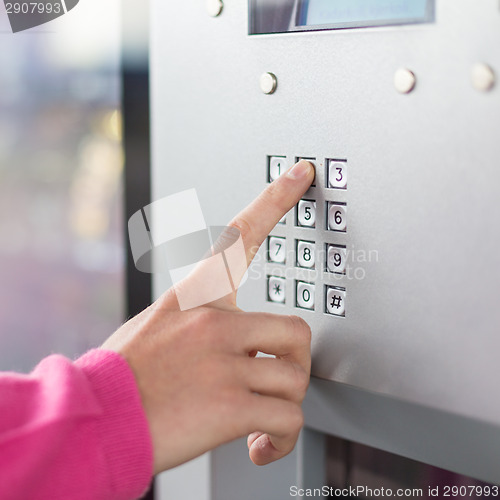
{"points": [[284, 16]]}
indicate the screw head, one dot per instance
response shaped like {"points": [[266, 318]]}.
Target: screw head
{"points": [[215, 7], [404, 80], [268, 83], [483, 77]]}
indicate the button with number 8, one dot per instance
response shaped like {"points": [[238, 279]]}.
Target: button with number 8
{"points": [[305, 295], [305, 254], [337, 220], [306, 213], [336, 259], [277, 250], [337, 174]]}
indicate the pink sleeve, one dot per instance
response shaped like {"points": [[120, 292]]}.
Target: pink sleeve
{"points": [[74, 431]]}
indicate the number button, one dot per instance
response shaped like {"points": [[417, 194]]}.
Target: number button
{"points": [[336, 259], [305, 254], [277, 250], [335, 301], [305, 295], [337, 220], [337, 174], [276, 289], [306, 213], [277, 166]]}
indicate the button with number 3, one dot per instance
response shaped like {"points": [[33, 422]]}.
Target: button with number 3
{"points": [[277, 250], [337, 220], [305, 254], [306, 213], [277, 167], [337, 174], [336, 259], [335, 301], [305, 295]]}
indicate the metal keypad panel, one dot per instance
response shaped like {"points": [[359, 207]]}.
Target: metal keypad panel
{"points": [[306, 253]]}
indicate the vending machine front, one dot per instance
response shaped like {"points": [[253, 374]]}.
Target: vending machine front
{"points": [[392, 256]]}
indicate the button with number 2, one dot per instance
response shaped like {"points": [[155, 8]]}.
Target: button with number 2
{"points": [[306, 213], [337, 174]]}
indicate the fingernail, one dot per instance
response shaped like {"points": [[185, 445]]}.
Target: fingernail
{"points": [[300, 170]]}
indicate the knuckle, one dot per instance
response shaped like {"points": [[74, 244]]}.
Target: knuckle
{"points": [[301, 381], [296, 419], [301, 330], [243, 226]]}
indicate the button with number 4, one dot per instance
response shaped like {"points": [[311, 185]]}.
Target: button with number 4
{"points": [[337, 174], [277, 250], [305, 295], [277, 167], [336, 259], [335, 301], [337, 220], [305, 254], [306, 213], [276, 289]]}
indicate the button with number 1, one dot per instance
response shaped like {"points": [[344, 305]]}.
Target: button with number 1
{"points": [[277, 166], [337, 174]]}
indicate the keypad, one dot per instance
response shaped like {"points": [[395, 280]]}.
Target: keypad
{"points": [[307, 253]]}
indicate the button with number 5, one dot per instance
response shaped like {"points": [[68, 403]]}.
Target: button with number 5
{"points": [[277, 251], [337, 220], [337, 174], [306, 213], [305, 254]]}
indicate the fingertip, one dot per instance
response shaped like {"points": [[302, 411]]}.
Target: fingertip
{"points": [[301, 171]]}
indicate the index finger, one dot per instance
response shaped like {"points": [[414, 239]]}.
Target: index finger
{"points": [[257, 220]]}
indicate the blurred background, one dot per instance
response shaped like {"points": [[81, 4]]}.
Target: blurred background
{"points": [[63, 205]]}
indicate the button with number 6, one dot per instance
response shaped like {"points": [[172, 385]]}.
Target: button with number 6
{"points": [[305, 295], [306, 213], [305, 254], [337, 174], [337, 220]]}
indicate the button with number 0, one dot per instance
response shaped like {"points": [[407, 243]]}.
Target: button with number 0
{"points": [[337, 174], [335, 301], [277, 250], [305, 295], [276, 289], [277, 167], [305, 254], [336, 259], [337, 220], [306, 213]]}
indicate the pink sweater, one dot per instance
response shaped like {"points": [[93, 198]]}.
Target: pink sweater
{"points": [[74, 431]]}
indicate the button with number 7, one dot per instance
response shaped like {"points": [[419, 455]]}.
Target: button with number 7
{"points": [[337, 174], [277, 250]]}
